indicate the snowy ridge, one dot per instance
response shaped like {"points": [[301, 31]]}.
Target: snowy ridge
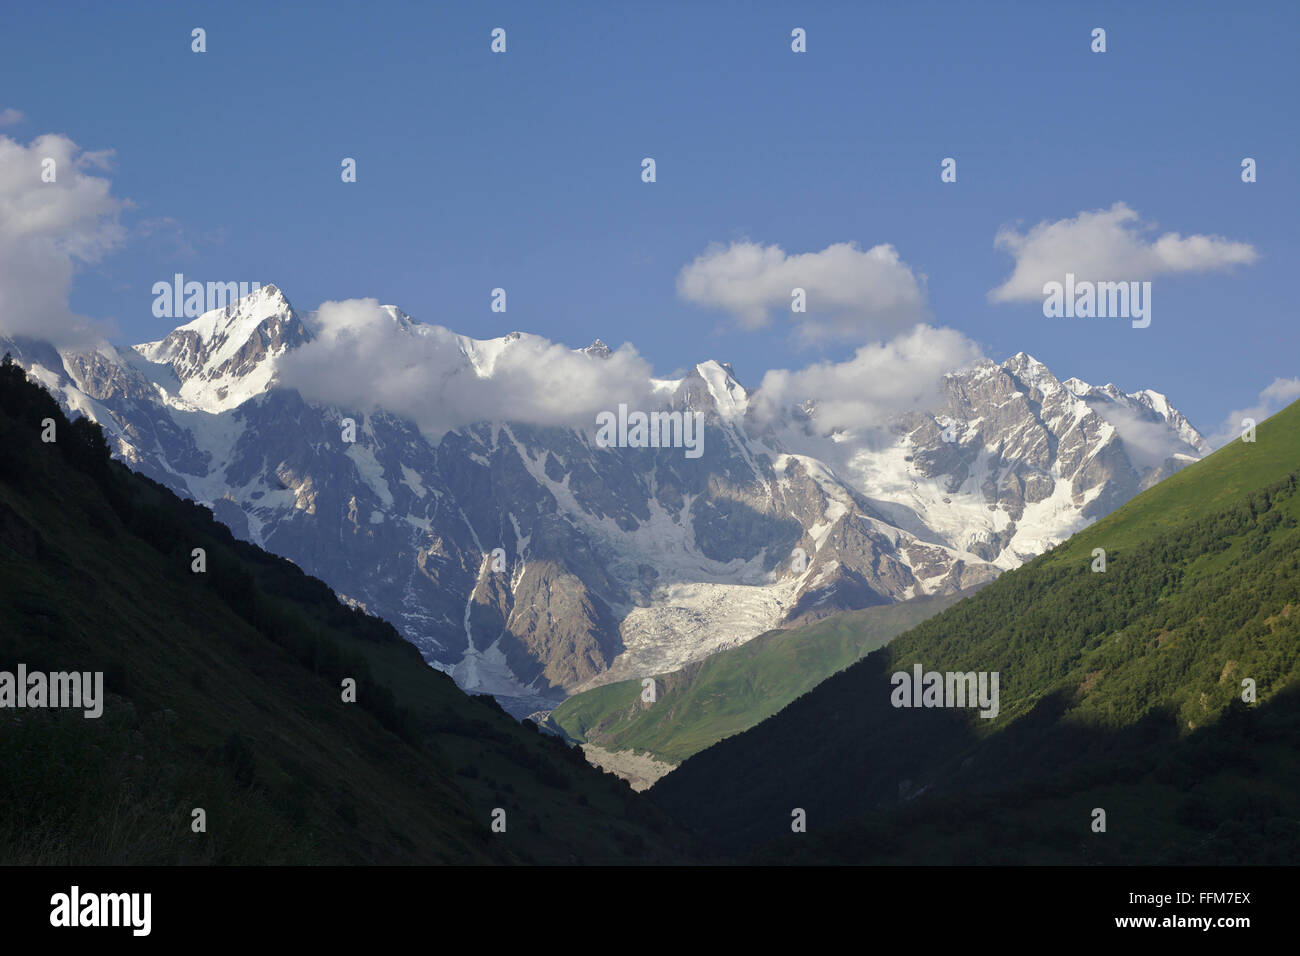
{"points": [[619, 562]]}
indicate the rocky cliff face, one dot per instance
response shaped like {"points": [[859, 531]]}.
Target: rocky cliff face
{"points": [[529, 561]]}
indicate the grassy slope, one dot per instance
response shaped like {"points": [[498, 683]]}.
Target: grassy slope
{"points": [[1113, 687], [735, 689], [223, 692], [1207, 486]]}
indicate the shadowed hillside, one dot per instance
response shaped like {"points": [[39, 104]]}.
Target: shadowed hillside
{"points": [[223, 692]]}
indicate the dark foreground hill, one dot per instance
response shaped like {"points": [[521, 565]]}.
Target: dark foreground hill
{"points": [[224, 691], [1127, 691]]}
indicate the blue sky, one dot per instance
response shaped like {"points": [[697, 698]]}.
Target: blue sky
{"points": [[522, 170]]}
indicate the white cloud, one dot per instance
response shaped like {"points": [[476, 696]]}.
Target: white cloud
{"points": [[47, 229], [1106, 245], [881, 380], [1280, 393], [11, 116], [850, 293], [364, 358]]}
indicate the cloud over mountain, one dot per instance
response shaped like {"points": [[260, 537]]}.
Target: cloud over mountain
{"points": [[879, 381], [367, 356]]}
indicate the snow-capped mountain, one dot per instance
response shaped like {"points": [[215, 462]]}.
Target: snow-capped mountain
{"points": [[529, 561]]}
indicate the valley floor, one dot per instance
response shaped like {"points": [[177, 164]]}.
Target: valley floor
{"points": [[640, 770]]}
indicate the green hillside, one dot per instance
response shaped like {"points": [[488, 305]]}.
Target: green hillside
{"points": [[1113, 686], [223, 692], [735, 689]]}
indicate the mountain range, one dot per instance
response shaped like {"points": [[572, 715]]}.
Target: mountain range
{"points": [[528, 561]]}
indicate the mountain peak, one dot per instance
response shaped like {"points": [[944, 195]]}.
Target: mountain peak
{"points": [[237, 319], [226, 355], [1023, 361], [1032, 372], [270, 292], [729, 396]]}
